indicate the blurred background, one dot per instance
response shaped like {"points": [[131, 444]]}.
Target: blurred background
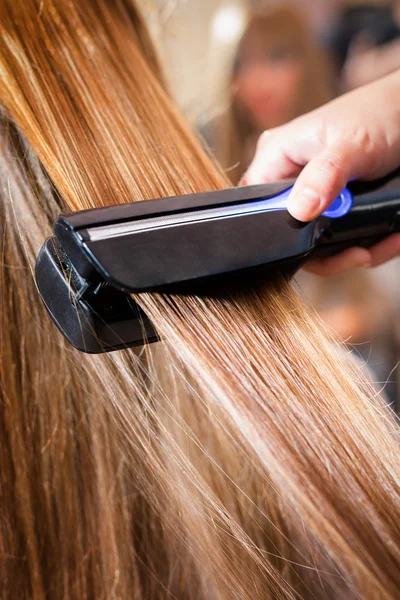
{"points": [[238, 67]]}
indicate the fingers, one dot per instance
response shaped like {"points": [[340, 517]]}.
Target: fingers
{"points": [[356, 258], [320, 182], [386, 250], [271, 162], [336, 265], [326, 174]]}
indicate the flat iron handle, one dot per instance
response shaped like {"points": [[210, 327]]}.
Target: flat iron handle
{"points": [[374, 216]]}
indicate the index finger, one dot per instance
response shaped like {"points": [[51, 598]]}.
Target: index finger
{"points": [[271, 161]]}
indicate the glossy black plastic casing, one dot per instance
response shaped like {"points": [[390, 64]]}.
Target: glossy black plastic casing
{"points": [[178, 258], [101, 320]]}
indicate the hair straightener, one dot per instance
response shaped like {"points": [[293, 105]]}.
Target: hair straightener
{"points": [[196, 243]]}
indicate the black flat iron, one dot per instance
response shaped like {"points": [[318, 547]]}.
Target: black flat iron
{"points": [[196, 243]]}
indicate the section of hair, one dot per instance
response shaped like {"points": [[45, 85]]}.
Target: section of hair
{"points": [[240, 458]]}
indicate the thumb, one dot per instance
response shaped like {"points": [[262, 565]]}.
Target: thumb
{"points": [[320, 182]]}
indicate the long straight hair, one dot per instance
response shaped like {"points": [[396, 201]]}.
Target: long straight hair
{"points": [[242, 457]]}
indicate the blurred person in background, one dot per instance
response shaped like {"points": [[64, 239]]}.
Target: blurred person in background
{"points": [[279, 72]]}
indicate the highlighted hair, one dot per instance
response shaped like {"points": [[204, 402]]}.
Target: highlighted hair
{"points": [[242, 457]]}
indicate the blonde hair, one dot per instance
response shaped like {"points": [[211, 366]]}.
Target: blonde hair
{"points": [[241, 457]]}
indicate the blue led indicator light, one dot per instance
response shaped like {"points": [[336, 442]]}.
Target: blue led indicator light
{"points": [[341, 206]]}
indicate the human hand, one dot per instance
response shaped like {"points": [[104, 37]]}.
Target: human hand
{"points": [[357, 136]]}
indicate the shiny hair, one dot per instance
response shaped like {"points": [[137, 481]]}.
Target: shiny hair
{"points": [[243, 456]]}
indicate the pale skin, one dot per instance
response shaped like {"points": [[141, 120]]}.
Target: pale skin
{"points": [[357, 136]]}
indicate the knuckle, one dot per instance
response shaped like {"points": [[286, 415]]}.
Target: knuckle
{"points": [[328, 165], [264, 139], [371, 145], [363, 139]]}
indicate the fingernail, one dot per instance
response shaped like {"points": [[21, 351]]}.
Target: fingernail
{"points": [[305, 206]]}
